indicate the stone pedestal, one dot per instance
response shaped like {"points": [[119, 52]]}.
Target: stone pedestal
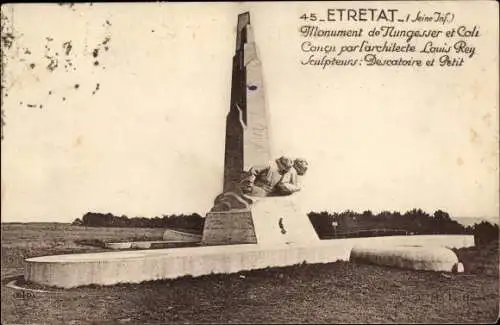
{"points": [[229, 227], [107, 268], [267, 221], [279, 220]]}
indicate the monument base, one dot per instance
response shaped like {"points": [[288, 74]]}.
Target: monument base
{"points": [[270, 220], [229, 227], [108, 268]]}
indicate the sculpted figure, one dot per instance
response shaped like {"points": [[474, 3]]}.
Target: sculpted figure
{"points": [[300, 166], [278, 178], [274, 179]]}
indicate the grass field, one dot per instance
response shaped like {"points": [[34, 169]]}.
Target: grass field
{"points": [[323, 293]]}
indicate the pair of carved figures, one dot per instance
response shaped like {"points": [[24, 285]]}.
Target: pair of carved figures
{"points": [[278, 178]]}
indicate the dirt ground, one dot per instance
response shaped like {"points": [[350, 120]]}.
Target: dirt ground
{"points": [[338, 292]]}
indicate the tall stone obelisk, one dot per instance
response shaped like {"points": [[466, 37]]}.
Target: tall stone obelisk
{"points": [[236, 218], [247, 133], [247, 142]]}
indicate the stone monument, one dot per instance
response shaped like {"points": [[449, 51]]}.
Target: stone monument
{"points": [[256, 204], [256, 209]]}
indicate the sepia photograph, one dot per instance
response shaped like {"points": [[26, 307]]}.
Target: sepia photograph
{"points": [[250, 162]]}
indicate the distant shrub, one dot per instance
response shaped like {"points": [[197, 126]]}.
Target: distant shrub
{"points": [[185, 221], [354, 224], [485, 233]]}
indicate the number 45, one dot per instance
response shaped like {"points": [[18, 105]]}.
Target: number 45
{"points": [[311, 17]]}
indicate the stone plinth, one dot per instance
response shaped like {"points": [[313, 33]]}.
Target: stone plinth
{"points": [[279, 220], [229, 227], [270, 220], [108, 268]]}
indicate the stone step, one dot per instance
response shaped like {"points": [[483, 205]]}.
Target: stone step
{"points": [[149, 244]]}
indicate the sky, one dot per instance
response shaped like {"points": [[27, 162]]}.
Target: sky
{"points": [[132, 119]]}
